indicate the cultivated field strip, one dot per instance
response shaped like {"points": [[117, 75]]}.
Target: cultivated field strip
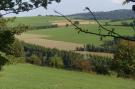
{"points": [[65, 22], [38, 40], [61, 45]]}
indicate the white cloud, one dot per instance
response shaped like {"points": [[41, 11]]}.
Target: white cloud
{"points": [[117, 1]]}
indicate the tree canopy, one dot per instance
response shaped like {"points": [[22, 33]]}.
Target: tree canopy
{"points": [[16, 6]]}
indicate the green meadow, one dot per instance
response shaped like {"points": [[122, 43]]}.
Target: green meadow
{"points": [[70, 34], [36, 20], [26, 76]]}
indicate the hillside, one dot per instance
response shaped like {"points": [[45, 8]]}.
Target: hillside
{"points": [[26, 76], [36, 20], [116, 14]]}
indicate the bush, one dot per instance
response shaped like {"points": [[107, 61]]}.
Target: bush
{"points": [[67, 25], [82, 65], [56, 62], [124, 59], [68, 59], [125, 23], [13, 60], [16, 49], [106, 24], [34, 59], [3, 61], [76, 22], [101, 65]]}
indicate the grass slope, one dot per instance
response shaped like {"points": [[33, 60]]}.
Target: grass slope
{"points": [[36, 20], [26, 76], [68, 34]]}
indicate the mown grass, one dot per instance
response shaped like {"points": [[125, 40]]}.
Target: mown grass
{"points": [[69, 34], [26, 76]]}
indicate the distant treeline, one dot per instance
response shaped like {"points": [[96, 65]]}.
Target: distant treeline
{"points": [[44, 26], [107, 47], [110, 15], [93, 48], [121, 23]]}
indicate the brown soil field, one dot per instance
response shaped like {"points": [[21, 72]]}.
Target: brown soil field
{"points": [[61, 45]]}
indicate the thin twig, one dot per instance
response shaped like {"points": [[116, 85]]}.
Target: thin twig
{"points": [[19, 11], [113, 34]]}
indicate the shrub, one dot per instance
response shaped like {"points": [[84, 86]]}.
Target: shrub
{"points": [[16, 49], [68, 59], [56, 61], [82, 65], [67, 25], [13, 60], [125, 23], [3, 61], [101, 65], [76, 22], [106, 24], [34, 59], [124, 59]]}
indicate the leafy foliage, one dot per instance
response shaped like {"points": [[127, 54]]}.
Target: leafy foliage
{"points": [[34, 59], [101, 65], [56, 61], [3, 61], [16, 6], [14, 60], [68, 60], [16, 49], [7, 38], [124, 59]]}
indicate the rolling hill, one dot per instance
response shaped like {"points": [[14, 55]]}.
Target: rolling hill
{"points": [[115, 14]]}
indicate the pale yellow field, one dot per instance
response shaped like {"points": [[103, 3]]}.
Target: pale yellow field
{"points": [[65, 22], [39, 40]]}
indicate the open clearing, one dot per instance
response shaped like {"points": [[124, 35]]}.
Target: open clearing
{"points": [[26, 76]]}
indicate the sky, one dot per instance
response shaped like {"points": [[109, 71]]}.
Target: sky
{"points": [[68, 7]]}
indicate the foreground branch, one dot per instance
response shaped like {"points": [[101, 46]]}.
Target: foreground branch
{"points": [[110, 33]]}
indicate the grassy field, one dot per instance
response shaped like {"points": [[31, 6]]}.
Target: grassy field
{"points": [[68, 34], [36, 20], [26, 76]]}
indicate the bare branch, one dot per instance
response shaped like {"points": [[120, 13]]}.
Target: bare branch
{"points": [[80, 29], [100, 25]]}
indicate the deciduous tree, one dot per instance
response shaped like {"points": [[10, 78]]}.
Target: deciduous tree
{"points": [[15, 6]]}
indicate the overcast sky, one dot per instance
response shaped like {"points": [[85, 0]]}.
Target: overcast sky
{"points": [[76, 6]]}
